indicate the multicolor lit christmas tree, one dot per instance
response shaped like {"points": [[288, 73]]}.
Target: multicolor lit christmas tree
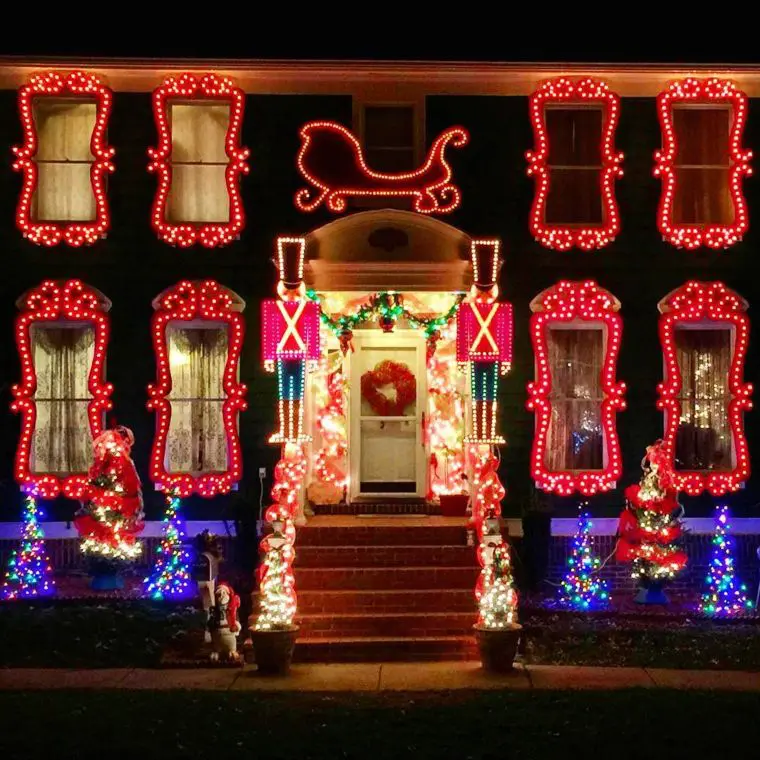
{"points": [[725, 597], [170, 578], [498, 603], [581, 589], [29, 573]]}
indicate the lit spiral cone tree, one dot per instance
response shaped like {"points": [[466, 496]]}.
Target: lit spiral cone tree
{"points": [[484, 347], [291, 345]]}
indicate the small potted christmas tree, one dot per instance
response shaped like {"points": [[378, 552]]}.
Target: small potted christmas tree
{"points": [[497, 631], [651, 527], [273, 634]]}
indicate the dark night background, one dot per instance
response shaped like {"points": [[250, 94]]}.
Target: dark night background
{"points": [[131, 266]]}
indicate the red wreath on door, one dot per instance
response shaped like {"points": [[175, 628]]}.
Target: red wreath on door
{"points": [[388, 372]]}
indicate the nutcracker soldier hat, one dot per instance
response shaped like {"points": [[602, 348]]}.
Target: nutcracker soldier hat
{"points": [[486, 264], [289, 263]]}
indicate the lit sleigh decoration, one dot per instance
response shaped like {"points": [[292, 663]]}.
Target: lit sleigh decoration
{"points": [[332, 161], [191, 302], [698, 303], [76, 85], [569, 93], [562, 304], [51, 302], [709, 92]]}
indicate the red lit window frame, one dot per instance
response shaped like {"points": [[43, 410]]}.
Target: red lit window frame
{"points": [[188, 302], [201, 88], [692, 303], [561, 304], [710, 91], [76, 84], [52, 302], [568, 92]]}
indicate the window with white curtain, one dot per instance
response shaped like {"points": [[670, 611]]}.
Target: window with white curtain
{"points": [[197, 441], [199, 161], [704, 440], [575, 438], [62, 355], [63, 160]]}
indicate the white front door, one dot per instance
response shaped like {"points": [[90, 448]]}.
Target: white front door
{"points": [[388, 399]]}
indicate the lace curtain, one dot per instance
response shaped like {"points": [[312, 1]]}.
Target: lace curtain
{"points": [[199, 162], [703, 441], [64, 190], [702, 164], [574, 438], [197, 441], [62, 361]]}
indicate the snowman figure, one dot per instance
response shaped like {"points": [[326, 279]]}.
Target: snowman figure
{"points": [[224, 624]]}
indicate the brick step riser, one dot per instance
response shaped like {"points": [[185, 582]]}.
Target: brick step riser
{"points": [[385, 602], [383, 652], [385, 578], [383, 556], [373, 535], [456, 624], [377, 509]]}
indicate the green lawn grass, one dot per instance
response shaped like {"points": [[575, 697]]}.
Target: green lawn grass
{"points": [[143, 724]]}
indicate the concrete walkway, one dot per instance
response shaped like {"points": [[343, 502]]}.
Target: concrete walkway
{"points": [[433, 676]]}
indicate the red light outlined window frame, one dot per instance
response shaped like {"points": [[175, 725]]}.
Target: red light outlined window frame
{"points": [[709, 91], [713, 303], [83, 86], [201, 88], [192, 302], [578, 303], [53, 301], [567, 92]]}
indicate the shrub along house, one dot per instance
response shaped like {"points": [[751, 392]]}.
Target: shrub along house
{"points": [[464, 255]]}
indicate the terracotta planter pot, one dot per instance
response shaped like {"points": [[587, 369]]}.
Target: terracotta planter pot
{"points": [[273, 650], [497, 647], [454, 505]]}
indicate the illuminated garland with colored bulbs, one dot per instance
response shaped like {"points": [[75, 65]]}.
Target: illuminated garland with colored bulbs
{"points": [[584, 303], [277, 594], [713, 304], [191, 302], [170, 577], [569, 93], [76, 85], [708, 92], [189, 87], [580, 589], [724, 597], [388, 307], [53, 302], [29, 573]]}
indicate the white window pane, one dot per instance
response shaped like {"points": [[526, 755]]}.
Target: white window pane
{"points": [[197, 440], [62, 359], [198, 194], [199, 132], [64, 193], [64, 130]]}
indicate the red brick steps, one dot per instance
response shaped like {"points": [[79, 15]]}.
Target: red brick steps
{"points": [[385, 601], [379, 556], [385, 649], [385, 588]]}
